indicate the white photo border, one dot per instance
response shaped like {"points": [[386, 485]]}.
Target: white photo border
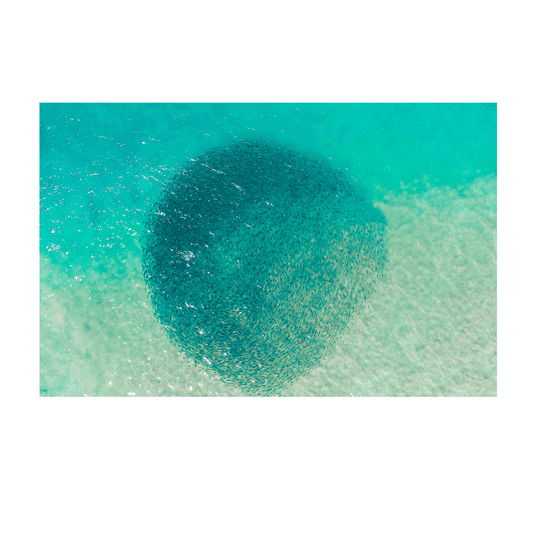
{"points": [[31, 404]]}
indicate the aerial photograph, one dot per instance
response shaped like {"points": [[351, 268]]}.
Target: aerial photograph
{"points": [[256, 249]]}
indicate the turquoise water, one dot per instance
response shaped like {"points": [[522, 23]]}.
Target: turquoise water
{"points": [[429, 329]]}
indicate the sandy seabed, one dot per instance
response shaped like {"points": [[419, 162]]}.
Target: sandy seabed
{"points": [[429, 330]]}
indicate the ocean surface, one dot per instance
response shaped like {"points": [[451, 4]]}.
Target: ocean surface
{"points": [[428, 330]]}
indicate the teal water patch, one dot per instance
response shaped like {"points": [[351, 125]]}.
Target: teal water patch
{"points": [[429, 168], [256, 257]]}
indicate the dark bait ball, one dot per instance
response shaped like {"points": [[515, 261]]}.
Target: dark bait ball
{"points": [[256, 257]]}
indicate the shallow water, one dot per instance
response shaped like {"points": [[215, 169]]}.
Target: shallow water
{"points": [[430, 329]]}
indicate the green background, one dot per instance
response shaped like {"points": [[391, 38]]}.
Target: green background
{"points": [[261, 474]]}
